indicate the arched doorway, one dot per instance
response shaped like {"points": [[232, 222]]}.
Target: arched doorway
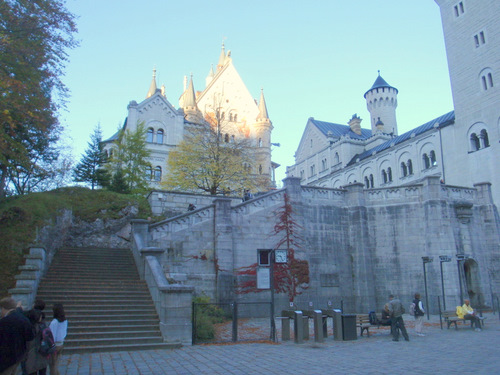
{"points": [[473, 283]]}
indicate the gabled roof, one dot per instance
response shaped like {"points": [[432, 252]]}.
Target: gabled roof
{"points": [[337, 130], [441, 121]]}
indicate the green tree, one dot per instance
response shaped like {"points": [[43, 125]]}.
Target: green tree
{"points": [[90, 169], [130, 158], [118, 183], [210, 161], [34, 37]]}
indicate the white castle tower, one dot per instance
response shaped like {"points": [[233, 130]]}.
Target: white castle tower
{"points": [[381, 101]]}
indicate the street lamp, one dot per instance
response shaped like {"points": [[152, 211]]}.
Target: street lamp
{"points": [[426, 260], [460, 258], [442, 259]]}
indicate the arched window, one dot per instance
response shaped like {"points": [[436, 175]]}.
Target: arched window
{"points": [[367, 182], [149, 173], [384, 176], [371, 181], [432, 156], [484, 138], [149, 135], [260, 169], [159, 137], [235, 117], [260, 142], [404, 169], [474, 142], [158, 174], [301, 175], [410, 167], [226, 138], [490, 79], [323, 164], [336, 158], [389, 174], [313, 170], [426, 161], [230, 117]]}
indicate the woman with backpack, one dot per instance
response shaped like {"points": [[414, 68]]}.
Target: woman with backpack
{"points": [[59, 328], [36, 363], [419, 315]]}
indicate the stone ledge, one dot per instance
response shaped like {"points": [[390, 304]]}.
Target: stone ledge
{"points": [[20, 291], [29, 267], [177, 288], [26, 277]]}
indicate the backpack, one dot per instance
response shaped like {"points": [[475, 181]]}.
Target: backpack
{"points": [[47, 343], [372, 317], [413, 308]]}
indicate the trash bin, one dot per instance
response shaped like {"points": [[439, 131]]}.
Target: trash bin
{"points": [[349, 327], [337, 325]]}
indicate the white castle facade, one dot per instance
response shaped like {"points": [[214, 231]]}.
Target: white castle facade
{"points": [[461, 147], [226, 94]]}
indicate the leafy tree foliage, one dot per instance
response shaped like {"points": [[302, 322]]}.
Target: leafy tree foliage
{"points": [[290, 278], [129, 158], [209, 162], [90, 169], [34, 37]]}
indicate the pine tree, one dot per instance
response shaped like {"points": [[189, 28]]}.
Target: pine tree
{"points": [[90, 168], [118, 183]]}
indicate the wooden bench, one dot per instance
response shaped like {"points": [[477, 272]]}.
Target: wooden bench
{"points": [[363, 323], [451, 317]]}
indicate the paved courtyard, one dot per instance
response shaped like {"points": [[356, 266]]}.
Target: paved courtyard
{"points": [[444, 351]]}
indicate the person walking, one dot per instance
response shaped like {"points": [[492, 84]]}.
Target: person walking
{"points": [[419, 315], [59, 328], [15, 332], [396, 310]]}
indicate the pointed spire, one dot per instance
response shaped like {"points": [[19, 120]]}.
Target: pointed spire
{"points": [[210, 76], [190, 98], [222, 57], [152, 87], [262, 107]]}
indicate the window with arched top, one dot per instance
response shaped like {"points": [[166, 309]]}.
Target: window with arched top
{"points": [[371, 180], [149, 173], [159, 137], [260, 169], [367, 182], [384, 176], [474, 142], [260, 142], [230, 117], [432, 157], [404, 169], [336, 158], [149, 135], [410, 167], [483, 135], [226, 138], [426, 161], [158, 174], [389, 174]]}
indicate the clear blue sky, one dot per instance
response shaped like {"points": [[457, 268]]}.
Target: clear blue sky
{"points": [[313, 59]]}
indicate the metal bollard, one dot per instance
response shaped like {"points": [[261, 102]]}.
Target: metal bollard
{"points": [[298, 327], [285, 329], [318, 326]]}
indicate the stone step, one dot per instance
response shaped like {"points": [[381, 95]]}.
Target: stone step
{"points": [[140, 326], [111, 324], [113, 341], [106, 318], [92, 301], [72, 311], [123, 347], [75, 336]]}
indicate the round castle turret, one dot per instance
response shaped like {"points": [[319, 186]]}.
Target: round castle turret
{"points": [[381, 102]]}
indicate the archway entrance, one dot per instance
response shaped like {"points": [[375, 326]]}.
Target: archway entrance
{"points": [[473, 283]]}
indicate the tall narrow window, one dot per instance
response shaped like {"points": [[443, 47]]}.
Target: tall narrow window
{"points": [[432, 156], [336, 158], [158, 174], [260, 142], [389, 174], [404, 169], [490, 79], [474, 142], [371, 181], [483, 80], [149, 135], [484, 138], [149, 173], [410, 167], [426, 161], [384, 176], [159, 137], [226, 138], [367, 182]]}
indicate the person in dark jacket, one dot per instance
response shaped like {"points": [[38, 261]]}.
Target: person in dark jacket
{"points": [[36, 363], [419, 315], [15, 332], [396, 310]]}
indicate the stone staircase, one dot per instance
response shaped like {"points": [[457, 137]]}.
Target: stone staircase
{"points": [[107, 306]]}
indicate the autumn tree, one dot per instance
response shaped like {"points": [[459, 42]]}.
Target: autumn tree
{"points": [[34, 38], [129, 157], [210, 160], [290, 278], [91, 169]]}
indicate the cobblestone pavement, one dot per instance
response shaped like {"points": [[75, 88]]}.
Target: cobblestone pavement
{"points": [[444, 351]]}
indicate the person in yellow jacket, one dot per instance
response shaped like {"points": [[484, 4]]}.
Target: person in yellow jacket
{"points": [[467, 312]]}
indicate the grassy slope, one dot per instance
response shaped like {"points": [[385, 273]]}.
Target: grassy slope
{"points": [[21, 216]]}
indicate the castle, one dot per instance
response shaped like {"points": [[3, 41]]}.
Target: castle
{"points": [[224, 96], [461, 147]]}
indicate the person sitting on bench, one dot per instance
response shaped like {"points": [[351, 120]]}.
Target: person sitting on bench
{"points": [[467, 312], [386, 318]]}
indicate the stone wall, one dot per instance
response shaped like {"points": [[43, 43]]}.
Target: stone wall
{"points": [[361, 244]]}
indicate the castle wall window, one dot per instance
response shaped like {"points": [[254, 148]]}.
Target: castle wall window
{"points": [[158, 174], [483, 136], [263, 256], [486, 78], [389, 174], [371, 180], [474, 142], [367, 182], [313, 170], [226, 138], [260, 142], [149, 135], [404, 169], [459, 9], [260, 169], [336, 158], [479, 39], [384, 176], [432, 157], [426, 161], [410, 167], [149, 173], [301, 175], [323, 164], [159, 137]]}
